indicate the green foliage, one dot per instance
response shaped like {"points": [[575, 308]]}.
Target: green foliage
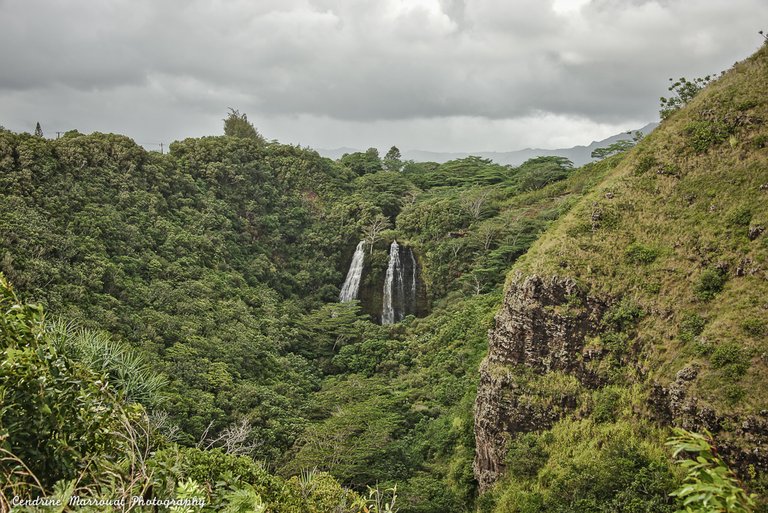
{"points": [[622, 315], [740, 217], [540, 171], [56, 415], [733, 361], [728, 354], [244, 500], [527, 454], [362, 163], [202, 259], [475, 218], [426, 494], [705, 134], [353, 443], [617, 147], [754, 327], [710, 486], [581, 466], [638, 253], [237, 125], [684, 91], [386, 190], [607, 402], [691, 326], [189, 490], [392, 160], [237, 483], [127, 369], [645, 163], [380, 501], [711, 282]]}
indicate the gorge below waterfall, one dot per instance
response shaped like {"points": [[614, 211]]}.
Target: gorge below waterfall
{"points": [[388, 285]]}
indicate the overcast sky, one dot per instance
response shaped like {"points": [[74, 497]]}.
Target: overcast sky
{"points": [[441, 75]]}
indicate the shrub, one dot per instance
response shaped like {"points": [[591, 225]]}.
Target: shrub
{"points": [[754, 327], [426, 494], [710, 283], [705, 134], [526, 454], [731, 359], [622, 315], [607, 402], [728, 354], [684, 91], [598, 468], [691, 326], [740, 217], [733, 393], [641, 254], [645, 163], [55, 414]]}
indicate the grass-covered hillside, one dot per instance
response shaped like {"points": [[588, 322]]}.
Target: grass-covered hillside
{"points": [[657, 281], [679, 228]]}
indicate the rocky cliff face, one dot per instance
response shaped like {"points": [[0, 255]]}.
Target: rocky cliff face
{"points": [[374, 274], [742, 439], [541, 329], [540, 341]]}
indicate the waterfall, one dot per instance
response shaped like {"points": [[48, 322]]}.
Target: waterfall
{"points": [[393, 285], [401, 286], [352, 283]]}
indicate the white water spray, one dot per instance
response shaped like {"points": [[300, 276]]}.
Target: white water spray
{"points": [[352, 283], [394, 270]]}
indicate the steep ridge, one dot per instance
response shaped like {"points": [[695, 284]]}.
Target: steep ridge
{"points": [[653, 286]]}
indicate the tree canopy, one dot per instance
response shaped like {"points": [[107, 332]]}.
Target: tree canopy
{"points": [[237, 125]]}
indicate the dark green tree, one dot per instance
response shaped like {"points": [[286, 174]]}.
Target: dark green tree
{"points": [[237, 125], [392, 160], [38, 130], [362, 163]]}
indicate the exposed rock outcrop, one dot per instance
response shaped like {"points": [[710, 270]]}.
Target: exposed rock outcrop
{"points": [[743, 440], [541, 328]]}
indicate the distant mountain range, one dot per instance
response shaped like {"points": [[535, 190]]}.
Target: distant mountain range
{"points": [[579, 155]]}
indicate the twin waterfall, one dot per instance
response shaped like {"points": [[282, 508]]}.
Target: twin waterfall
{"points": [[352, 283], [400, 293], [393, 287]]}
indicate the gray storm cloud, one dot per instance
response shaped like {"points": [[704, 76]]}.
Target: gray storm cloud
{"points": [[317, 71]]}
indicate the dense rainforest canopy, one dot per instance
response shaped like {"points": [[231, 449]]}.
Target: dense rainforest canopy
{"points": [[218, 266]]}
